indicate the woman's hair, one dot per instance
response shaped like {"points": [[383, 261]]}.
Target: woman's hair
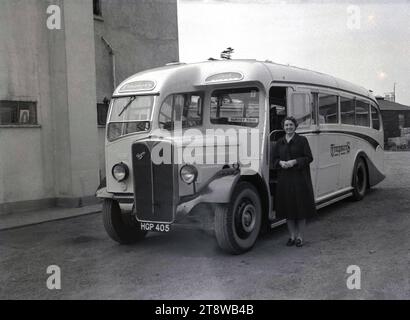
{"points": [[289, 119]]}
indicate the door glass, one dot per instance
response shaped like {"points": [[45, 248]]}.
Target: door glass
{"points": [[301, 109]]}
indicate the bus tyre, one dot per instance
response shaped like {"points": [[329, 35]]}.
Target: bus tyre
{"points": [[122, 228], [238, 224], [360, 180]]}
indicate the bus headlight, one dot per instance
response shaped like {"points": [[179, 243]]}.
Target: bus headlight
{"points": [[188, 174], [120, 172]]}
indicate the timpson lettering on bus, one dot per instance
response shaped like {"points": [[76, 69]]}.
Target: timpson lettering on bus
{"points": [[339, 150]]}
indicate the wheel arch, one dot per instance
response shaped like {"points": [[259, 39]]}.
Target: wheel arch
{"points": [[373, 173], [361, 155]]}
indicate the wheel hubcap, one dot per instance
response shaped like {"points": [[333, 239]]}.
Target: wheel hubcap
{"points": [[246, 219]]}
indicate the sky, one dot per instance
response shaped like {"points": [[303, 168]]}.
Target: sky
{"points": [[367, 43]]}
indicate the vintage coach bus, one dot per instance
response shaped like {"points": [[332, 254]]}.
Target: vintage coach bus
{"points": [[168, 109]]}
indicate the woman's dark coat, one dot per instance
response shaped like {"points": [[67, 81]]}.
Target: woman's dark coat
{"points": [[294, 191]]}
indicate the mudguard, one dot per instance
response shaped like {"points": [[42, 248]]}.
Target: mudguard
{"points": [[220, 189], [375, 176]]}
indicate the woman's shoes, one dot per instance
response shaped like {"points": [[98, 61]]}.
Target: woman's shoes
{"points": [[291, 242]]}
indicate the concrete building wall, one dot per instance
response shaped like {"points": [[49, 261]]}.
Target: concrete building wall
{"points": [[26, 153], [66, 72], [54, 161], [143, 35], [81, 88]]}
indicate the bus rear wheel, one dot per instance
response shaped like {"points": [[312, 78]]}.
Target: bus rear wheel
{"points": [[360, 180], [238, 224], [122, 228]]}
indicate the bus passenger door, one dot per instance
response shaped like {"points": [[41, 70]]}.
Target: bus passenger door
{"points": [[302, 108], [328, 164]]}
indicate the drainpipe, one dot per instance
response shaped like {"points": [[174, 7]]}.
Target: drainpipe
{"points": [[112, 54]]}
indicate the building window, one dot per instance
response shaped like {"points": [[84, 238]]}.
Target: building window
{"points": [[401, 120], [102, 112], [97, 7], [328, 109], [18, 113]]}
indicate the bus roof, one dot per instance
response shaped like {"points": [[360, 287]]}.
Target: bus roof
{"points": [[251, 70]]}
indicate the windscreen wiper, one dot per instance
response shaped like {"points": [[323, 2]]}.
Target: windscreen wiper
{"points": [[127, 105]]}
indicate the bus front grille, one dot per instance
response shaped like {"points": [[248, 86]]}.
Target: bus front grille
{"points": [[154, 184]]}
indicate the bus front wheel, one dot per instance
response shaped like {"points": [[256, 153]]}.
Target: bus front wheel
{"points": [[122, 228], [237, 225], [360, 180]]}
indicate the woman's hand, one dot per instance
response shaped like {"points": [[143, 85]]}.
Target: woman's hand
{"points": [[292, 163], [287, 164], [283, 164]]}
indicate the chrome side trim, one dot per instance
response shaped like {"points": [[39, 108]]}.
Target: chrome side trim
{"points": [[324, 204], [336, 194]]}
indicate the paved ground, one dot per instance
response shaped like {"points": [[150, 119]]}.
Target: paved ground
{"points": [[13, 220], [187, 264]]}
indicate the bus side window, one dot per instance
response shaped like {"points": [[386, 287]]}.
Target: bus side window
{"points": [[192, 114], [375, 118], [328, 109], [347, 110], [362, 113]]}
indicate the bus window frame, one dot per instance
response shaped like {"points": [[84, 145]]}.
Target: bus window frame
{"points": [[338, 113], [367, 102], [150, 121], [263, 95], [110, 110], [373, 105], [200, 93], [354, 98], [268, 108]]}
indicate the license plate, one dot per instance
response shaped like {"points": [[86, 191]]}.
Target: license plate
{"points": [[155, 227]]}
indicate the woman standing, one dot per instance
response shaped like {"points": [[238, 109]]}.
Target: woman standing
{"points": [[294, 191]]}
